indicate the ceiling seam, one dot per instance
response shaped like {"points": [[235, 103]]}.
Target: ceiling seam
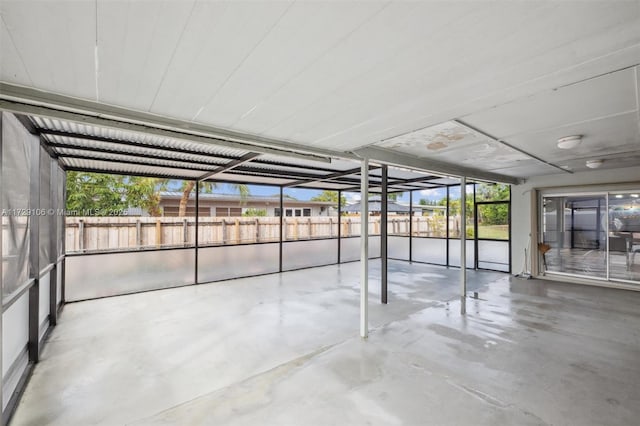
{"points": [[323, 54], [253, 49], [173, 54], [507, 144], [547, 129]]}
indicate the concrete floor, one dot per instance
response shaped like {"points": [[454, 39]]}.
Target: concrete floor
{"points": [[284, 350]]}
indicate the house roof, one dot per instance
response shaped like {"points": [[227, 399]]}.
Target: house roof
{"points": [[176, 195], [376, 206]]}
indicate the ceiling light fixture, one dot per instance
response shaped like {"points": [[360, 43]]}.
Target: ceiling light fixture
{"points": [[594, 164], [569, 142]]}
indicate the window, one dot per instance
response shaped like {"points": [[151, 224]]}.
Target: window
{"points": [[306, 212]]}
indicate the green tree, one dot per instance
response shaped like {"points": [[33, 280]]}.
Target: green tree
{"points": [[104, 192], [493, 214], [492, 192], [205, 187], [330, 196], [254, 212]]}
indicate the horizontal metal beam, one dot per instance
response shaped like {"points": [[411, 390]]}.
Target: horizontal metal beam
{"points": [[404, 160], [135, 162], [329, 177], [119, 173], [25, 100], [235, 163]]}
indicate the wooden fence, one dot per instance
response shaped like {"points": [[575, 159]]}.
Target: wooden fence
{"points": [[122, 233]]}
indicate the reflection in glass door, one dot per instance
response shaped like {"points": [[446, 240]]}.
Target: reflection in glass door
{"points": [[592, 235], [624, 236], [574, 235]]}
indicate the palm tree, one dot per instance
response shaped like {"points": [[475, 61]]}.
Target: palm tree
{"points": [[206, 187]]}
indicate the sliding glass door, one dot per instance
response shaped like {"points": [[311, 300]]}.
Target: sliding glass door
{"points": [[593, 235]]}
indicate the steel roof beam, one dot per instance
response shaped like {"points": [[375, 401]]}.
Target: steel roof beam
{"points": [[232, 164]]}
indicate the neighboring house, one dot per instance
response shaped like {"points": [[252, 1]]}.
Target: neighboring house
{"points": [[429, 210], [226, 205], [375, 206]]}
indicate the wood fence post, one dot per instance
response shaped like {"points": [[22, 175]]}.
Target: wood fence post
{"points": [[158, 233], [80, 235]]}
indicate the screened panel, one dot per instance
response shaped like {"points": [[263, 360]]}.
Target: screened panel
{"points": [[310, 214], [59, 282], [109, 274], [304, 254], [492, 192], [430, 207], [454, 253], [15, 335], [16, 153], [350, 248], [43, 305], [44, 211], [493, 221], [430, 250], [238, 214], [398, 247], [455, 224], [493, 255], [225, 262]]}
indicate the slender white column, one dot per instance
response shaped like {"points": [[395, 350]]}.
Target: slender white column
{"points": [[463, 245], [364, 249]]}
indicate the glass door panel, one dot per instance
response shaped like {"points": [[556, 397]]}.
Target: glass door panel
{"points": [[574, 235], [624, 236]]}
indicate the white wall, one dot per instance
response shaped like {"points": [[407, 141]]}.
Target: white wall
{"points": [[521, 200]]}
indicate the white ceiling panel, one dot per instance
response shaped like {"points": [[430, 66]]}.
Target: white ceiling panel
{"points": [[136, 42], [11, 66], [216, 42], [55, 41], [613, 135], [303, 35], [534, 54], [594, 99]]}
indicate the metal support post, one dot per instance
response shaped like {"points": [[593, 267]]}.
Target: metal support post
{"points": [[34, 255], [410, 226], [463, 245], [383, 236], [53, 243], [281, 228], [339, 224], [364, 249], [63, 275], [195, 239]]}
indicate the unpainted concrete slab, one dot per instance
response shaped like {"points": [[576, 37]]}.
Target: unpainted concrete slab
{"points": [[284, 349]]}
